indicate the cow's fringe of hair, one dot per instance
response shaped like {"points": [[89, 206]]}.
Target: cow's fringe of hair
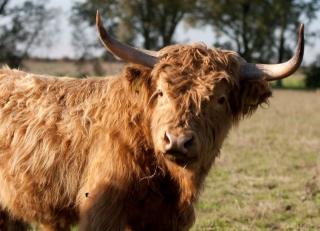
{"points": [[197, 59]]}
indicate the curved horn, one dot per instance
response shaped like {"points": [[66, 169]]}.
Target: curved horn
{"points": [[121, 50], [272, 72]]}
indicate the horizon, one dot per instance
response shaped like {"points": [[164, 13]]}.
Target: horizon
{"points": [[182, 35]]}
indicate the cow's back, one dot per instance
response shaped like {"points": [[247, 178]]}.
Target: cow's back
{"points": [[45, 132]]}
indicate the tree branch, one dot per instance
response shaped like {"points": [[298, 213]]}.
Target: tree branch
{"points": [[3, 6]]}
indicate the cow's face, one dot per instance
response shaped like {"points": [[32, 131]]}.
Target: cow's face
{"points": [[191, 107], [199, 91]]}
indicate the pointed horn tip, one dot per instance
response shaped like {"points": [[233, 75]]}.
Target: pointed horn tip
{"points": [[301, 29], [100, 27], [98, 19], [292, 64], [300, 46]]}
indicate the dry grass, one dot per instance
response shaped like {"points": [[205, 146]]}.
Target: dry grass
{"points": [[267, 177], [72, 68]]}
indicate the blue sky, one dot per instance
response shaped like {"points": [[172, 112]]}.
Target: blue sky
{"points": [[63, 47]]}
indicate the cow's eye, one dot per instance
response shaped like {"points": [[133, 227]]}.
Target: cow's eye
{"points": [[222, 100], [155, 94], [160, 93]]}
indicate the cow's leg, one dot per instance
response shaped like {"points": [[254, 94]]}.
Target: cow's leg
{"points": [[4, 219], [17, 225], [103, 211], [45, 227], [48, 228], [9, 224]]}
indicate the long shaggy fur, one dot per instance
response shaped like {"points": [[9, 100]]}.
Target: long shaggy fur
{"points": [[75, 149]]}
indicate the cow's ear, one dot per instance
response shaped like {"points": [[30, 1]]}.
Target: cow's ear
{"points": [[137, 76], [137, 72], [249, 96]]}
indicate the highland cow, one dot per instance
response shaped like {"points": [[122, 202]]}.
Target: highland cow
{"points": [[127, 152]]}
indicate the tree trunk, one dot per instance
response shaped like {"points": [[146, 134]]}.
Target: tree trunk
{"points": [[245, 11], [145, 24], [281, 51], [147, 39], [3, 6]]}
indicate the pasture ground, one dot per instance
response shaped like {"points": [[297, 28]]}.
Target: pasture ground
{"points": [[268, 174]]}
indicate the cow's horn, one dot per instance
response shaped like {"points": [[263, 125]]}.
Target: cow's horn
{"points": [[123, 51], [272, 72]]}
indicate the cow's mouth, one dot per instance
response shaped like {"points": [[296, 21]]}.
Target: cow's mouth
{"points": [[180, 158]]}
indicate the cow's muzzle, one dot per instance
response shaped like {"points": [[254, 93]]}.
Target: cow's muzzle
{"points": [[180, 147]]}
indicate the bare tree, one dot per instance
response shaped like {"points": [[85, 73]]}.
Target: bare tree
{"points": [[256, 25], [23, 27], [153, 21]]}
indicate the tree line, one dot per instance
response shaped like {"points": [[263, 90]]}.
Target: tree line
{"points": [[259, 30]]}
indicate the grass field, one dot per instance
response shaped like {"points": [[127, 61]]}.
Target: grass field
{"points": [[72, 68], [268, 174]]}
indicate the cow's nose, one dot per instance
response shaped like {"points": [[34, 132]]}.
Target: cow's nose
{"points": [[178, 143]]}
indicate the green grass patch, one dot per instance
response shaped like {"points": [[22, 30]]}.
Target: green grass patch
{"points": [[268, 174]]}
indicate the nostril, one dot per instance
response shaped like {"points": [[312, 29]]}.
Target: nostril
{"points": [[188, 142], [167, 138], [181, 144]]}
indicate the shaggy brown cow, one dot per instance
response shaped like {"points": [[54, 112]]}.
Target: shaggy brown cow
{"points": [[128, 152]]}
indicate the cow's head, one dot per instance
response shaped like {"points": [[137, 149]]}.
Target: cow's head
{"points": [[198, 93]]}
